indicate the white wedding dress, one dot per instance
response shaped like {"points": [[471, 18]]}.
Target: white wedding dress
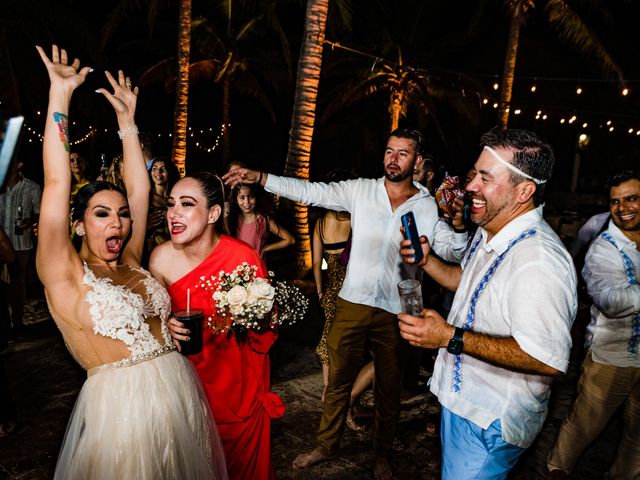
{"points": [[142, 413]]}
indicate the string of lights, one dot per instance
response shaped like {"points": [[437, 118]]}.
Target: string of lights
{"points": [[202, 144], [202, 138]]}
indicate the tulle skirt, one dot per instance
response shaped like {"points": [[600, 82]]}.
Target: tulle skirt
{"points": [[150, 420]]}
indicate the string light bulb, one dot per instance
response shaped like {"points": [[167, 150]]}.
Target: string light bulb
{"points": [[533, 88], [625, 91], [579, 91], [496, 86]]}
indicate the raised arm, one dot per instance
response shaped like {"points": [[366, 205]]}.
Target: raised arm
{"points": [[278, 230], [57, 262], [135, 176]]}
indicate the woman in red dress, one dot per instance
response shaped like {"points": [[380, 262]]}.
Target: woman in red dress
{"points": [[235, 375]]}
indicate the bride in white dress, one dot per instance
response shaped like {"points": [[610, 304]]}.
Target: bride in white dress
{"points": [[142, 413]]}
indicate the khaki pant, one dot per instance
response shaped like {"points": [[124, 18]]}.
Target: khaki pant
{"points": [[354, 328], [601, 390]]}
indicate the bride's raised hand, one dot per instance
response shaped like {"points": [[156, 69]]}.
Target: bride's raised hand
{"points": [[124, 98], [61, 74]]}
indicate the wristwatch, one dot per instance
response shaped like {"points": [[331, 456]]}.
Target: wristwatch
{"points": [[456, 343]]}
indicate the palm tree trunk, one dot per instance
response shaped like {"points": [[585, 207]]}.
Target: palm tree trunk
{"points": [[303, 118], [395, 109], [179, 153], [510, 66]]}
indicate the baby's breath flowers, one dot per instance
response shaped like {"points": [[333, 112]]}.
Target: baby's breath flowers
{"points": [[246, 302]]}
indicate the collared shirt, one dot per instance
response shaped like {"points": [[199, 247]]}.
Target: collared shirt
{"points": [[531, 296], [375, 265], [26, 194], [616, 296]]}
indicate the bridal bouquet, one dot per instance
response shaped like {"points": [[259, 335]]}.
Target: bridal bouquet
{"points": [[245, 302]]}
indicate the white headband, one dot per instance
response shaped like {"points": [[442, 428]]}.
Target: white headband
{"points": [[512, 167]]}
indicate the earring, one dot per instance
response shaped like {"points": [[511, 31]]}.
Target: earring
{"points": [[80, 232]]}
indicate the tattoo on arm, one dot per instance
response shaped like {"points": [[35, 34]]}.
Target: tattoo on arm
{"points": [[63, 128]]}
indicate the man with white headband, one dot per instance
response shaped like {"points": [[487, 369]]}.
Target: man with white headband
{"points": [[508, 331]]}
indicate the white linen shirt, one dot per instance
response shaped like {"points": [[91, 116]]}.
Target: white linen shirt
{"points": [[531, 297], [616, 298], [375, 266]]}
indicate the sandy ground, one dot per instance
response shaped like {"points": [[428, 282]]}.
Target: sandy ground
{"points": [[45, 381]]}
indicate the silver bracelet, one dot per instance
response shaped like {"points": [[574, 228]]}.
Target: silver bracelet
{"points": [[128, 131]]}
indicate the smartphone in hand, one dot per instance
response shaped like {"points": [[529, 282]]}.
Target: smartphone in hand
{"points": [[411, 233]]}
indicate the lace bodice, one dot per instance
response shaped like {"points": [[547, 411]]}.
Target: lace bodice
{"points": [[119, 311]]}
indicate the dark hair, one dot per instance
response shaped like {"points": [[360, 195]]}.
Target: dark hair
{"points": [[213, 190], [263, 206], [621, 177], [82, 197], [530, 154], [415, 135], [429, 162]]}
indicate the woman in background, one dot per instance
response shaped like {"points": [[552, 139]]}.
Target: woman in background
{"points": [[331, 236], [250, 220], [163, 174]]}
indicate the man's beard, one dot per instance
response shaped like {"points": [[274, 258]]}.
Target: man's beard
{"points": [[398, 176], [491, 211]]}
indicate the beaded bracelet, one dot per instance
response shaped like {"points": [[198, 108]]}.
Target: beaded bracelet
{"points": [[128, 131]]}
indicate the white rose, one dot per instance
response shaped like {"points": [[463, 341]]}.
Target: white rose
{"points": [[237, 295], [260, 288]]}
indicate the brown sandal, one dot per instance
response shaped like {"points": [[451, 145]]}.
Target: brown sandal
{"points": [[352, 424]]}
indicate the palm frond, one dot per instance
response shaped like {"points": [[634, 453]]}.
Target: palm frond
{"points": [[576, 33]]}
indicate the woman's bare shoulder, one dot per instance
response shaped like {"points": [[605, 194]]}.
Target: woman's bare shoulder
{"points": [[162, 255]]}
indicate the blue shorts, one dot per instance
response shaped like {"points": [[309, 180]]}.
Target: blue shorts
{"points": [[470, 452]]}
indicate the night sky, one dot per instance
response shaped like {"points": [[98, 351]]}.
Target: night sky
{"points": [[458, 44]]}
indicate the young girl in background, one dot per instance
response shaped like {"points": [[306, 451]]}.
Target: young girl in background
{"points": [[249, 220]]}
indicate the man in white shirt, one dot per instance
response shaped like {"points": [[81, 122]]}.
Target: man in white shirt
{"points": [[611, 370], [368, 301], [509, 326]]}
